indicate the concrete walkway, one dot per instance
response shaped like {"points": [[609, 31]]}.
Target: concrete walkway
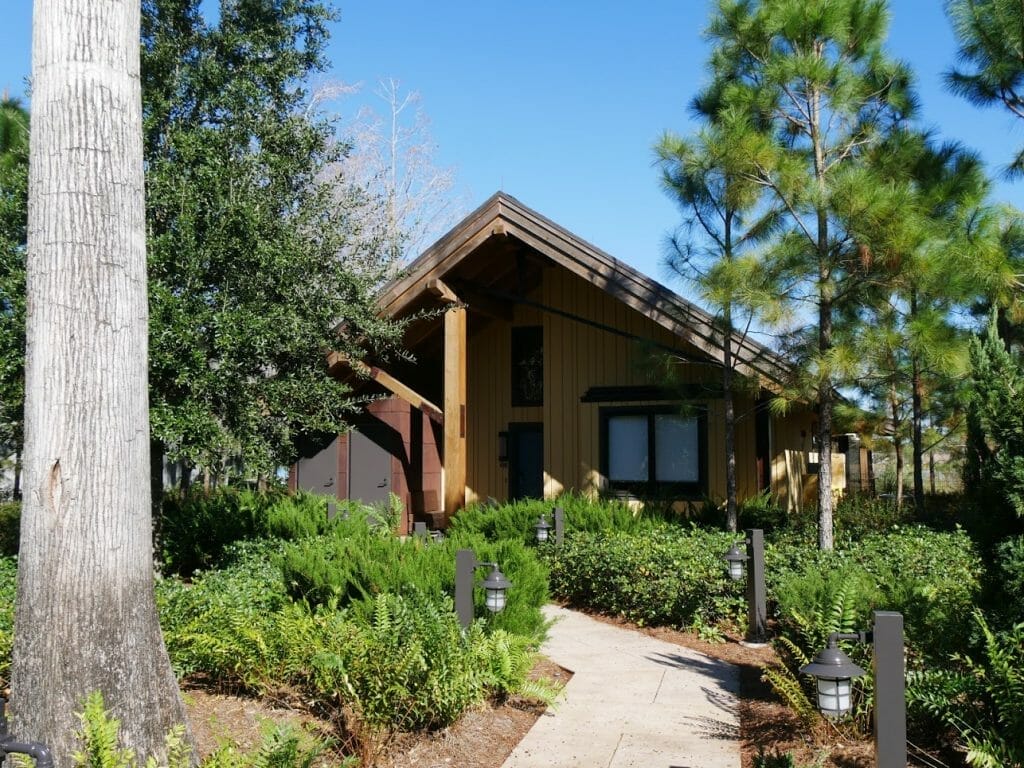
{"points": [[633, 701]]}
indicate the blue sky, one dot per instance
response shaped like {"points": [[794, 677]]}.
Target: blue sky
{"points": [[559, 103]]}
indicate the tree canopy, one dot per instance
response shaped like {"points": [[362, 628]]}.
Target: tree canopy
{"points": [[255, 265]]}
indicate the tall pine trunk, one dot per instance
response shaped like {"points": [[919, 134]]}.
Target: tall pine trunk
{"points": [[86, 616], [917, 418]]}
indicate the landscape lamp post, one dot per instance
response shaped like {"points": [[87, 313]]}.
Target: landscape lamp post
{"points": [[834, 672], [543, 527], [495, 586], [752, 561]]}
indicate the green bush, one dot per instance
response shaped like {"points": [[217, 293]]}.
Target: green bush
{"points": [[662, 577], [354, 564], [225, 623], [981, 697], [195, 528], [933, 578], [10, 527], [8, 581], [1008, 578], [516, 520]]}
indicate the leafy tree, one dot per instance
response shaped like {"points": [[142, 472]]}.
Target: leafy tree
{"points": [[815, 76], [13, 218], [991, 37], [711, 176], [251, 254], [85, 610]]}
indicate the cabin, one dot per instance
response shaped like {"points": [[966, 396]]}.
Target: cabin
{"points": [[543, 365]]}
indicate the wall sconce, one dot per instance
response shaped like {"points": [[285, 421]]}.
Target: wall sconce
{"points": [[503, 447]]}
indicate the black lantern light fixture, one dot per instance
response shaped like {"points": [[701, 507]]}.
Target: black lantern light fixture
{"points": [[835, 672], [543, 529], [736, 562], [752, 562], [495, 586]]}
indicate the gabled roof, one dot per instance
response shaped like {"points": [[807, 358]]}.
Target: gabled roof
{"points": [[503, 216]]}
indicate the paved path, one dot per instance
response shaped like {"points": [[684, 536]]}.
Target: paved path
{"points": [[633, 701]]}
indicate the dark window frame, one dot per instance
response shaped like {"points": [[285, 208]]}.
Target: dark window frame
{"points": [[651, 488], [525, 341]]}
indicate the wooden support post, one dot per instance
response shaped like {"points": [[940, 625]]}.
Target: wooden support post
{"points": [[454, 410]]}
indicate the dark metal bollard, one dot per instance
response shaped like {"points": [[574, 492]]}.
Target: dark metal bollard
{"points": [[757, 612], [8, 746], [559, 515]]}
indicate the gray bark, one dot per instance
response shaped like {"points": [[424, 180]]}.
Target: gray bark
{"points": [[85, 615]]}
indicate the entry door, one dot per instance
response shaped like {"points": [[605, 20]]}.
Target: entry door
{"points": [[319, 472], [369, 471], [526, 460]]}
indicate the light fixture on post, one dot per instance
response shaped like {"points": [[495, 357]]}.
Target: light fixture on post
{"points": [[736, 560], [834, 672], [495, 586], [757, 597], [542, 528]]}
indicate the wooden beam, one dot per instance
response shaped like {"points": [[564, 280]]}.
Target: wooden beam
{"points": [[390, 383], [454, 410], [441, 289]]}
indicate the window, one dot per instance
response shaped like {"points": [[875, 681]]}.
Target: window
{"points": [[528, 365], [654, 451]]}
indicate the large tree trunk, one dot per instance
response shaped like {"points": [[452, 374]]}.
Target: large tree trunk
{"points": [[85, 615], [826, 536]]}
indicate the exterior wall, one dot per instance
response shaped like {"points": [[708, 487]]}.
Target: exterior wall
{"points": [[578, 356]]}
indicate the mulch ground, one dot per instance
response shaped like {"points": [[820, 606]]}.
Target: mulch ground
{"points": [[485, 736]]}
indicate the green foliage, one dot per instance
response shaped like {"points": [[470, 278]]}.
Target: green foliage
{"points": [[994, 472], [101, 747], [991, 36], [195, 528], [251, 275], [354, 563], [14, 130], [10, 527], [774, 759], [8, 584], [281, 747], [982, 698], [660, 577], [811, 608], [226, 624], [933, 578], [1008, 575], [516, 520]]}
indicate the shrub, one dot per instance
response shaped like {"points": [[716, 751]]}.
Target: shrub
{"points": [[663, 577], [983, 699], [1008, 578], [195, 528], [8, 580], [10, 527], [933, 578], [516, 520], [354, 564]]}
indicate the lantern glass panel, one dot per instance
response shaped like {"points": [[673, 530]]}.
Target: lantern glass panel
{"points": [[834, 696], [735, 570], [494, 600]]}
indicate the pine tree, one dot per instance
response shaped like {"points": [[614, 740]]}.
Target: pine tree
{"points": [[815, 75], [711, 177]]}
